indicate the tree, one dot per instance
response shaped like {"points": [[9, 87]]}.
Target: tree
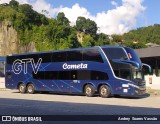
{"points": [[14, 4], [87, 41], [80, 24], [134, 45], [62, 20], [91, 27], [29, 13], [117, 39], [86, 25], [102, 39]]}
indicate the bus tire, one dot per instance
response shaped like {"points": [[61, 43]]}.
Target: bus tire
{"points": [[89, 90], [104, 91], [30, 89], [22, 88]]}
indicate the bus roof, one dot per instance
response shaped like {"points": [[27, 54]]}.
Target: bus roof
{"points": [[29, 53]]}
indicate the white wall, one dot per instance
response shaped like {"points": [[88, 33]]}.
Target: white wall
{"points": [[2, 82], [152, 82]]}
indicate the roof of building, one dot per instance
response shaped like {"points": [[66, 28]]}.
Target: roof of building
{"points": [[148, 52]]}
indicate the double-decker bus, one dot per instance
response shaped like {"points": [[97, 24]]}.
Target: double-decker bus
{"points": [[107, 70]]}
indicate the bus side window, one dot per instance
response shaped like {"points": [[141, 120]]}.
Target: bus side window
{"points": [[125, 73], [46, 57], [117, 73], [73, 75], [51, 75], [63, 75], [97, 75], [74, 55], [59, 57], [34, 56], [39, 75], [92, 55]]}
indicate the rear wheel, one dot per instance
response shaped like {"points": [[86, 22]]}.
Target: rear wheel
{"points": [[104, 91], [22, 88], [30, 89], [89, 90]]}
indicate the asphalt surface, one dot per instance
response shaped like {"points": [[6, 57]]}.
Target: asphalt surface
{"points": [[14, 103]]}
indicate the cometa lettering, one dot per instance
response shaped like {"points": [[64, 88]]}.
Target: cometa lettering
{"points": [[75, 66]]}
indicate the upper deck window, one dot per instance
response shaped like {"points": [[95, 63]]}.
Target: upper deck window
{"points": [[115, 53], [92, 55]]}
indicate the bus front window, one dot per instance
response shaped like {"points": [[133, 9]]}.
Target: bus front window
{"points": [[137, 75]]}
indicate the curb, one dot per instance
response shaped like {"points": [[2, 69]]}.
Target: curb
{"points": [[4, 89]]}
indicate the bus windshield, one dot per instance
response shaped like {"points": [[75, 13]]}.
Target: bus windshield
{"points": [[137, 74], [128, 74]]}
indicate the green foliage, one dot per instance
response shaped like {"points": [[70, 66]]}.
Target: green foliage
{"points": [[54, 34], [102, 40], [49, 33], [87, 41], [14, 4], [150, 34], [87, 26], [62, 20], [134, 45]]}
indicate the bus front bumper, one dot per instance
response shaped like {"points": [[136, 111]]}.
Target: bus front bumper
{"points": [[140, 91]]}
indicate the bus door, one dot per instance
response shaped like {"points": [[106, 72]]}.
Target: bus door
{"points": [[63, 82], [120, 85], [75, 82]]}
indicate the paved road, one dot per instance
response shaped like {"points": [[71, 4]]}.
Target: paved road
{"points": [[14, 103]]}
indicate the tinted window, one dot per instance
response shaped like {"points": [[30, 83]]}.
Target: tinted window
{"points": [[59, 57], [71, 75], [96, 75], [34, 56], [39, 75], [11, 59], [125, 74], [49, 75], [83, 75], [64, 75], [115, 53], [46, 57], [74, 55], [91, 75], [92, 55]]}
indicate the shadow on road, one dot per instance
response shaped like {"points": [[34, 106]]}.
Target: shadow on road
{"points": [[35, 107], [96, 95]]}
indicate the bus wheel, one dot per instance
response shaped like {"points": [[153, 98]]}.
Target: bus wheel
{"points": [[104, 91], [89, 90], [22, 88], [30, 89]]}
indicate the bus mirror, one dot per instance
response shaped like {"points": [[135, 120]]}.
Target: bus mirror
{"points": [[146, 69]]}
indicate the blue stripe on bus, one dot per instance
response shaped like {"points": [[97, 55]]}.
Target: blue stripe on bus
{"points": [[70, 85], [57, 85]]}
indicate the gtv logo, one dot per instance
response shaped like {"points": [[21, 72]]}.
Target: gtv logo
{"points": [[19, 65]]}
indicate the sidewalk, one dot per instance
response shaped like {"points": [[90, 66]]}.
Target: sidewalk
{"points": [[153, 92], [2, 85]]}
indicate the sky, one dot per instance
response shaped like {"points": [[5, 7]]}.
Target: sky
{"points": [[111, 16]]}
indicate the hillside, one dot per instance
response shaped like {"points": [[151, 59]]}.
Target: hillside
{"points": [[24, 30], [144, 35], [31, 27]]}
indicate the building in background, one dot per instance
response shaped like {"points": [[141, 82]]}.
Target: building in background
{"points": [[151, 56]]}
